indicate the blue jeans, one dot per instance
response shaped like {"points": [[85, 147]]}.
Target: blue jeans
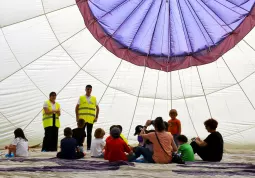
{"points": [[175, 139], [147, 154]]}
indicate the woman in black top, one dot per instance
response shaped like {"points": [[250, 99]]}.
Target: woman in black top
{"points": [[210, 149]]}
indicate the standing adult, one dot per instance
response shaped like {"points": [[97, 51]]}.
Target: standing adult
{"points": [[87, 109], [51, 124], [210, 149]]}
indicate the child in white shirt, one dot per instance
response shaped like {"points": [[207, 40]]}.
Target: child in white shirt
{"points": [[19, 146], [98, 144]]}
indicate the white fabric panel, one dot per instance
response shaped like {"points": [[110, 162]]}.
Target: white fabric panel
{"points": [[15, 11], [52, 71], [6, 131], [162, 86], [52, 5], [66, 22], [199, 113], [232, 109], [239, 63], [249, 39], [175, 86], [116, 108], [215, 76], [82, 47], [20, 100], [108, 65], [248, 88], [30, 39], [128, 78], [8, 62], [69, 96], [191, 82], [150, 82], [245, 137]]}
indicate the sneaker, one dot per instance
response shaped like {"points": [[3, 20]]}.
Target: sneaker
{"points": [[9, 155]]}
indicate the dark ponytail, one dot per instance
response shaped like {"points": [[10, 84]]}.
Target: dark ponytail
{"points": [[19, 134]]}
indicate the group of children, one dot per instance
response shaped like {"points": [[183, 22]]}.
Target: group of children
{"points": [[114, 148]]}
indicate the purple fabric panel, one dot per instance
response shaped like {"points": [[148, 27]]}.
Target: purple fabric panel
{"points": [[169, 28], [67, 165], [116, 18], [178, 42], [238, 2], [213, 173], [102, 8], [142, 42], [216, 168], [220, 44], [124, 35]]}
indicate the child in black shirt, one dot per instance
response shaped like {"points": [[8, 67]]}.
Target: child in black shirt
{"points": [[69, 147], [79, 134]]}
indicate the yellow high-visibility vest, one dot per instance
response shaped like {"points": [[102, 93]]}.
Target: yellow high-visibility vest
{"points": [[87, 110], [48, 118]]}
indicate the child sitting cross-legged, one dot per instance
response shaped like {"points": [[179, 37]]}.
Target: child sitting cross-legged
{"points": [[185, 149], [19, 146], [98, 144], [68, 146], [116, 148]]}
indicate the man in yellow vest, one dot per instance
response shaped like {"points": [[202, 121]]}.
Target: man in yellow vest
{"points": [[88, 110], [51, 113]]}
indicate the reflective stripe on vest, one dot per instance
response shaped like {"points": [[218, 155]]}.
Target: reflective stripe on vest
{"points": [[87, 110], [48, 118]]}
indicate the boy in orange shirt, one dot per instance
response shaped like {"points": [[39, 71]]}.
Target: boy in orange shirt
{"points": [[174, 125]]}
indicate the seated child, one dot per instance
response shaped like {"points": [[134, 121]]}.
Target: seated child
{"points": [[185, 149], [121, 135], [140, 140], [98, 144], [79, 134], [19, 146], [116, 148], [68, 146]]}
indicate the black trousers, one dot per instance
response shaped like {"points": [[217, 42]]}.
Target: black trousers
{"points": [[89, 134], [78, 155], [204, 153], [50, 140]]}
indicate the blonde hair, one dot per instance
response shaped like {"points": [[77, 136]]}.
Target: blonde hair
{"points": [[99, 133]]}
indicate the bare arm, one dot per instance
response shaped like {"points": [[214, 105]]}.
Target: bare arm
{"points": [[200, 142], [59, 112], [77, 112], [47, 111], [97, 113], [12, 149]]}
